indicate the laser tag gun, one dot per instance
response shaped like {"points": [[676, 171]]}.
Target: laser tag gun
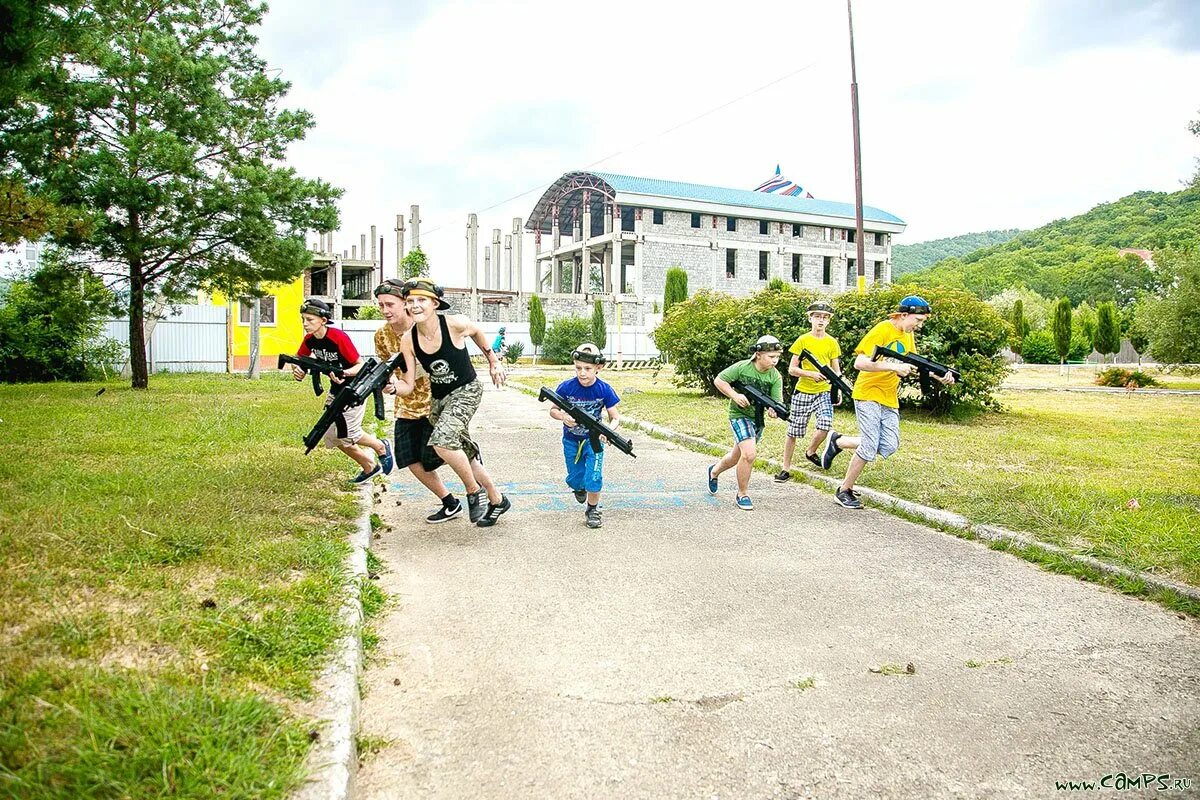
{"points": [[369, 382], [924, 366], [314, 368], [761, 402], [837, 384], [595, 427]]}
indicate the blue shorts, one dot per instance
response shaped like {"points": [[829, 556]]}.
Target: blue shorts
{"points": [[878, 429], [743, 429], [585, 468]]}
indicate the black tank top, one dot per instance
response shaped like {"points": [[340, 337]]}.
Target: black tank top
{"points": [[449, 368]]}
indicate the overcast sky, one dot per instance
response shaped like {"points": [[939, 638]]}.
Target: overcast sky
{"points": [[974, 116]]}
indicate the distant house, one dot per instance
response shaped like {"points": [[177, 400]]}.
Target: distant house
{"points": [[1145, 255]]}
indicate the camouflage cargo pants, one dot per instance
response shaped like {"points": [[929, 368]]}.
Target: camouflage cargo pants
{"points": [[451, 419]]}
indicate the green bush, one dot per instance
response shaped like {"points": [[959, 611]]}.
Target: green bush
{"points": [[675, 289], [563, 336], [50, 323], [710, 331], [369, 312], [1125, 378], [513, 353], [1038, 348]]}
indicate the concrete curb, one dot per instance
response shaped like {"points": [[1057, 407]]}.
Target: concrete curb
{"points": [[937, 516], [333, 760]]}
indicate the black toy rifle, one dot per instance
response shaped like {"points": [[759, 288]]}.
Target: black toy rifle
{"points": [[761, 402], [837, 384], [595, 427], [924, 366], [314, 368], [369, 381]]}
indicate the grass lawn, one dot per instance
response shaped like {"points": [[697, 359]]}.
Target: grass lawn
{"points": [[171, 565], [1062, 467], [1051, 377]]}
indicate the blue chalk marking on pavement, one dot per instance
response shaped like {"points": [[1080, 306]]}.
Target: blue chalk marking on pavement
{"points": [[642, 495]]}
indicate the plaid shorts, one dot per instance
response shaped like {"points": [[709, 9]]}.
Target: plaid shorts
{"points": [[743, 429], [805, 405], [412, 444]]}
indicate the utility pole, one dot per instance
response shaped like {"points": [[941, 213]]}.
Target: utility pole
{"points": [[858, 201]]}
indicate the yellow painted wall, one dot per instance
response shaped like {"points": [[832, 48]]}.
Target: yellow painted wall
{"points": [[282, 337]]}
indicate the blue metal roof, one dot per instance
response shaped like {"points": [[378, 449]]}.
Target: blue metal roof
{"points": [[744, 198]]}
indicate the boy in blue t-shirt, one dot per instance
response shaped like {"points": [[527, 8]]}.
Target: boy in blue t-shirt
{"points": [[585, 468]]}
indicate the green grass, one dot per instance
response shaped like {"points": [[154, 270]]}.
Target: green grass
{"points": [[1050, 376], [1062, 467], [171, 565], [804, 683]]}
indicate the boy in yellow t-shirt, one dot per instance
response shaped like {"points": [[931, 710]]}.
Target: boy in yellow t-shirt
{"points": [[812, 390], [876, 404]]}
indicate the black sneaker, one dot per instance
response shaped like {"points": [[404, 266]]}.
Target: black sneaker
{"points": [[831, 450], [444, 514], [814, 458], [493, 512], [475, 504], [846, 498], [783, 477], [592, 518], [580, 495]]}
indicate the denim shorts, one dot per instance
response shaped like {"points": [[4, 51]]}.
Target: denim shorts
{"points": [[878, 429]]}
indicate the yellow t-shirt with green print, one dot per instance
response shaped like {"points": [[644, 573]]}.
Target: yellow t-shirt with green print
{"points": [[882, 386]]}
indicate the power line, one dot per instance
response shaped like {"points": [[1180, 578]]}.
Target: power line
{"points": [[645, 141]]}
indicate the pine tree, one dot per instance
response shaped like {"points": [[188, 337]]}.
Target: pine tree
{"points": [[599, 332], [676, 288], [1062, 329], [537, 324]]}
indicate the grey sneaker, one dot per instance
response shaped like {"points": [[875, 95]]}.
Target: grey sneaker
{"points": [[783, 477], [846, 499], [493, 512], [476, 503], [592, 518]]}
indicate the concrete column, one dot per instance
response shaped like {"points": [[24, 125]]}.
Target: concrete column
{"points": [[637, 253], [414, 222], [473, 253], [399, 229], [335, 290], [585, 235], [537, 261], [555, 240], [362, 245], [508, 267], [606, 267], [487, 268], [353, 252], [374, 245], [518, 263], [496, 259]]}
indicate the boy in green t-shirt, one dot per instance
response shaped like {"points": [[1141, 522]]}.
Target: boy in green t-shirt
{"points": [[812, 390], [876, 404], [759, 371]]}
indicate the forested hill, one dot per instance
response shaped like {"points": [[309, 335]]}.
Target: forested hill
{"points": [[911, 257], [1077, 257]]}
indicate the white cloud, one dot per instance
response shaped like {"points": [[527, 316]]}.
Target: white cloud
{"points": [[458, 106]]}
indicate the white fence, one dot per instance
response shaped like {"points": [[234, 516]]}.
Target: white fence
{"points": [[634, 341], [191, 339]]}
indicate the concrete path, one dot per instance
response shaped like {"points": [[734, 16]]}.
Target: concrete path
{"points": [[689, 649]]}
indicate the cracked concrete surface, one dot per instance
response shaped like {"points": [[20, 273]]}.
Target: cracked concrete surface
{"points": [[659, 656]]}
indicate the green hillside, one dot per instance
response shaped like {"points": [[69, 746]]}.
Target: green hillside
{"points": [[911, 257], [1077, 257]]}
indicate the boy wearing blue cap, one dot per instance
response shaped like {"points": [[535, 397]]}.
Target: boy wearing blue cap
{"points": [[876, 395]]}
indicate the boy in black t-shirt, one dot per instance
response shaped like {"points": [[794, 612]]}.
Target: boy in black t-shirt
{"points": [[323, 343]]}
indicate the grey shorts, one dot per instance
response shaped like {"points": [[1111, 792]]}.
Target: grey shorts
{"points": [[354, 431], [451, 418], [878, 429]]}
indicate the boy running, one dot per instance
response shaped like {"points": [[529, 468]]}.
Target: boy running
{"points": [[758, 370], [876, 395], [439, 344], [585, 467], [325, 343], [812, 395]]}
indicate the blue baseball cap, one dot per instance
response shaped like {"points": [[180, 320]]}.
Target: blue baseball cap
{"points": [[914, 304]]}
